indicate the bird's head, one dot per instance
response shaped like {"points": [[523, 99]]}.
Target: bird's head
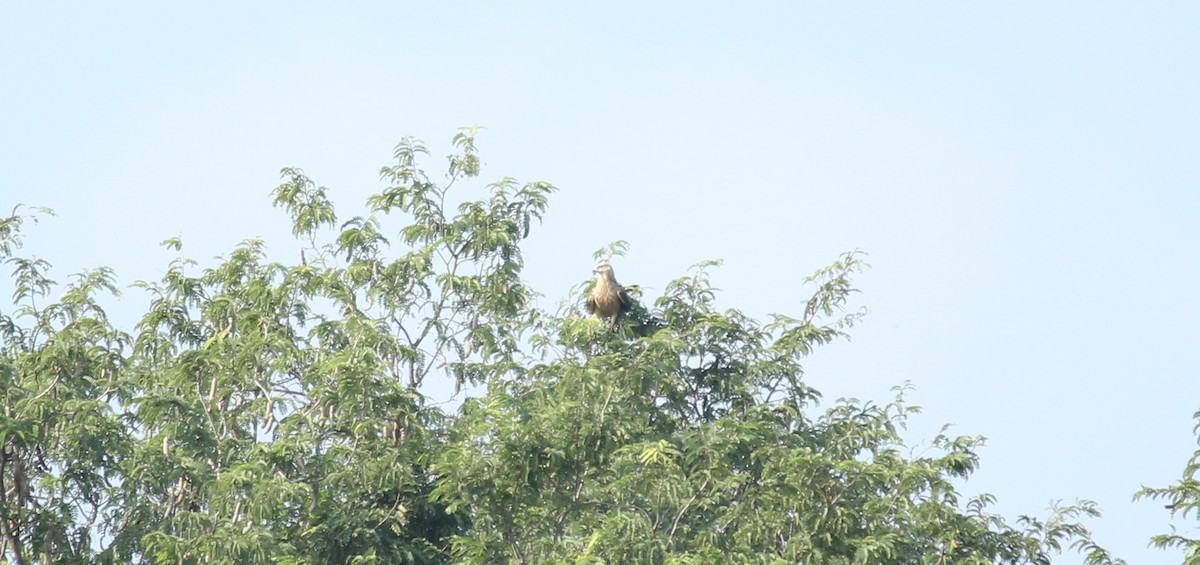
{"points": [[602, 268]]}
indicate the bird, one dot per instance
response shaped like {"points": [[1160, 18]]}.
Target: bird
{"points": [[608, 299]]}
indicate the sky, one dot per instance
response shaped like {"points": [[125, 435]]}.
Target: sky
{"points": [[1023, 176]]}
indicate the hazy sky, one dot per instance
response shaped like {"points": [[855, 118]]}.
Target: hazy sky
{"points": [[1024, 177]]}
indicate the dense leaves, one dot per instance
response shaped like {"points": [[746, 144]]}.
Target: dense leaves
{"points": [[275, 412]]}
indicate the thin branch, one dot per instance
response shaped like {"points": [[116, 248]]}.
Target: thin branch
{"points": [[682, 511], [10, 531]]}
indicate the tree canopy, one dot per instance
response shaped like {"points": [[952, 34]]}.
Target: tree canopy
{"points": [[270, 412]]}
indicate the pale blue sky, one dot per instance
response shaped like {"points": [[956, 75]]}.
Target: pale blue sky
{"points": [[1023, 176]]}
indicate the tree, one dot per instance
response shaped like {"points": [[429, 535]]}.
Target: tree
{"points": [[61, 443], [263, 411], [700, 444], [1183, 498]]}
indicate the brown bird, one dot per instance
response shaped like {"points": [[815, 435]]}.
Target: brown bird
{"points": [[608, 299]]}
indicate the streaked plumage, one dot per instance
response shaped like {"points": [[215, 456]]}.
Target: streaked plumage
{"points": [[608, 299]]}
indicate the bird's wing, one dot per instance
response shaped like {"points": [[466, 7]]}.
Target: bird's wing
{"points": [[590, 304], [626, 301]]}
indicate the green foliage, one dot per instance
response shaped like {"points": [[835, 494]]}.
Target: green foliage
{"points": [[270, 412], [701, 444], [61, 441], [1183, 499]]}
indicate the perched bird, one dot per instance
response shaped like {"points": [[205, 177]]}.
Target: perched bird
{"points": [[608, 299]]}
